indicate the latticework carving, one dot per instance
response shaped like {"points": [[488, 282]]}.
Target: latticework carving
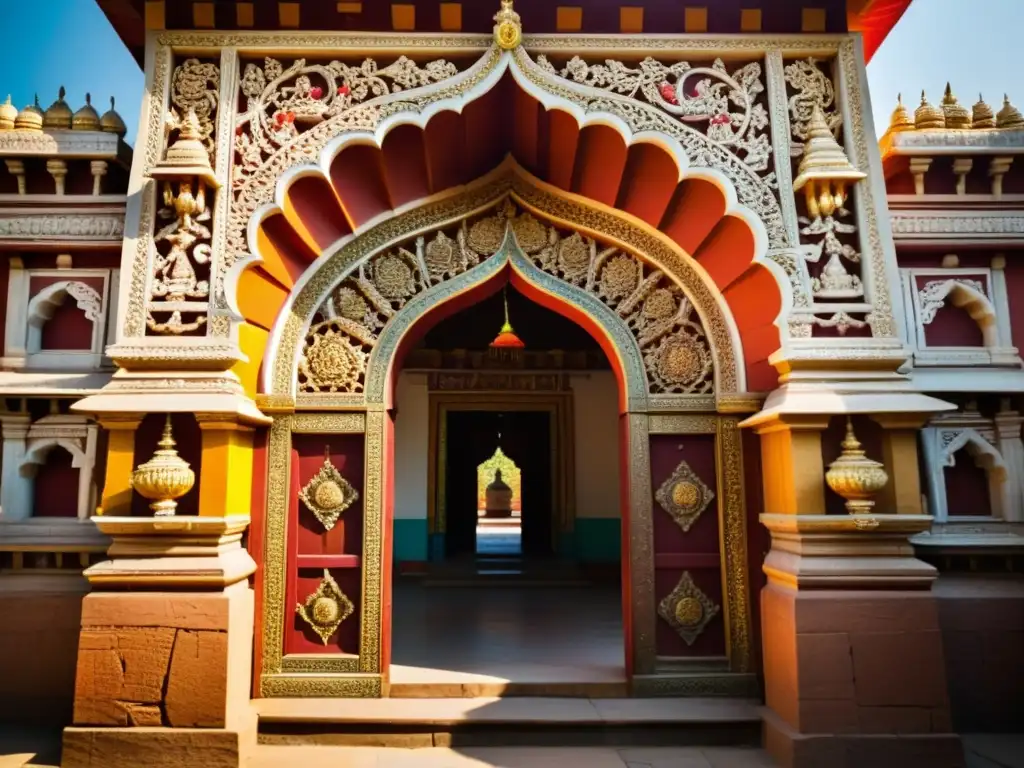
{"points": [[675, 347]]}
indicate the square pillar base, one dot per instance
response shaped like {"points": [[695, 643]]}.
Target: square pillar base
{"points": [[157, 747]]}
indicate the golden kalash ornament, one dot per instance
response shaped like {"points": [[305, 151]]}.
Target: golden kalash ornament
{"points": [[825, 172], [165, 478], [982, 115], [957, 116], [901, 119], [854, 476], [508, 28]]}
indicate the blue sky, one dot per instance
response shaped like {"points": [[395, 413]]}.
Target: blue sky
{"points": [[974, 44]]}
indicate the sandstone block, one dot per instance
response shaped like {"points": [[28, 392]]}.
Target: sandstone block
{"points": [[197, 682]]}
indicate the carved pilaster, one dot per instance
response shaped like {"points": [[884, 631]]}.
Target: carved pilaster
{"points": [[1008, 424], [16, 489]]}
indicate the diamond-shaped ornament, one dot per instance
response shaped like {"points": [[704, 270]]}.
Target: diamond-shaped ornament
{"points": [[684, 496], [328, 494], [687, 609], [325, 609]]}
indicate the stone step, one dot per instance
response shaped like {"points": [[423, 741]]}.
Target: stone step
{"points": [[525, 721]]}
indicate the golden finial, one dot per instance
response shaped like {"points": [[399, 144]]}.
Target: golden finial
{"points": [[982, 115], [58, 115], [86, 119], [854, 476], [508, 27], [187, 155], [166, 477], [30, 118], [111, 122], [8, 114], [928, 117], [957, 116], [1009, 117], [901, 119], [824, 169]]}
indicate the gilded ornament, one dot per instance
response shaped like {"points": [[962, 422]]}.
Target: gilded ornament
{"points": [[531, 235], [58, 115], [30, 118], [165, 478], [1009, 117], [929, 117], [660, 305], [982, 115], [111, 121], [854, 476], [681, 361], [8, 115], [326, 608], [393, 278], [86, 119], [331, 362], [573, 257], [328, 494], [956, 115], [901, 119], [351, 305], [485, 236], [825, 171], [440, 255], [619, 278], [684, 496], [687, 609], [508, 28]]}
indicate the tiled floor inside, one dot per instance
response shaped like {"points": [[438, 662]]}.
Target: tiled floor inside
{"points": [[523, 634]]}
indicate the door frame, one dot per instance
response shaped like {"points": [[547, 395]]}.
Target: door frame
{"points": [[559, 407]]}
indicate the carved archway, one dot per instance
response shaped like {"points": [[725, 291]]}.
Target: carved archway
{"points": [[962, 294]]}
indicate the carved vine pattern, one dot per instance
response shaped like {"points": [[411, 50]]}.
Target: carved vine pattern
{"points": [[676, 352]]}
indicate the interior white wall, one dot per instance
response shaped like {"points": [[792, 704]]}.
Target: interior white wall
{"points": [[412, 443]]}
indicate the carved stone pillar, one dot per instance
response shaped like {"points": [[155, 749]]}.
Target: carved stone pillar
{"points": [[16, 489], [1008, 437], [165, 650], [902, 494]]}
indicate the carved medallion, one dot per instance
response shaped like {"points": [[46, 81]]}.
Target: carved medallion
{"points": [[531, 235], [393, 278], [325, 609], [684, 496], [687, 609], [328, 494], [331, 362], [351, 305], [619, 278]]}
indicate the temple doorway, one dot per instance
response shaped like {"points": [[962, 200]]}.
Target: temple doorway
{"points": [[519, 584]]}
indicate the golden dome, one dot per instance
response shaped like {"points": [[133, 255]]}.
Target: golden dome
{"points": [[86, 119], [927, 116], [982, 114], [58, 115], [8, 114], [30, 118], [1009, 116], [956, 114], [901, 119], [111, 122]]}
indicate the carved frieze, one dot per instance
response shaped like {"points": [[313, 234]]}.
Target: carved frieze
{"points": [[62, 226]]}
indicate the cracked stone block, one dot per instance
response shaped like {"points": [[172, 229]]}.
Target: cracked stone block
{"points": [[197, 685]]}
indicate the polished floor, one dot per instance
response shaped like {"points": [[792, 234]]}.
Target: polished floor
{"points": [[520, 634]]}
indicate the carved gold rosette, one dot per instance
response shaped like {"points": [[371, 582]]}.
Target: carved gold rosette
{"points": [[684, 496], [687, 609], [328, 494], [325, 609]]}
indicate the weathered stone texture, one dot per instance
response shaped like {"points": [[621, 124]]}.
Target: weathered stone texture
{"points": [[197, 686], [151, 748]]}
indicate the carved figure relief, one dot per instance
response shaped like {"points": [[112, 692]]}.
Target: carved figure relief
{"points": [[684, 496], [676, 351], [328, 494], [326, 608], [687, 609]]}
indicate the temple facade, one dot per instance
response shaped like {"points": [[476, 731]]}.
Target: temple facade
{"points": [[749, 377]]}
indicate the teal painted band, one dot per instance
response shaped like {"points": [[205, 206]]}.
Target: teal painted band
{"points": [[410, 540], [598, 539]]}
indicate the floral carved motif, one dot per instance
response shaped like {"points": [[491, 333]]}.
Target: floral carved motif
{"points": [[675, 348], [328, 494], [684, 496], [86, 299], [932, 295], [687, 609], [326, 608], [724, 104]]}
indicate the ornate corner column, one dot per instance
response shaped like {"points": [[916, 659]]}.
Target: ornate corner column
{"points": [[165, 650], [852, 650]]}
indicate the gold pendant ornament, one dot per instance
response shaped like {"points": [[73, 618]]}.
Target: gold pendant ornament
{"points": [[325, 609], [328, 494], [508, 28], [684, 496], [687, 609], [165, 478]]}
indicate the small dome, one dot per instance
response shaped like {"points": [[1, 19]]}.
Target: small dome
{"points": [[111, 122], [1009, 116], [956, 114], [87, 118], [928, 116], [982, 115], [58, 115], [901, 119], [30, 118], [8, 114]]}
